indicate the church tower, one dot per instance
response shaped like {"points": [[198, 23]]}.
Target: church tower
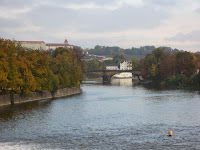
{"points": [[66, 42]]}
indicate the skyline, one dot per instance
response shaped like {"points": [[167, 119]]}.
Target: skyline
{"points": [[123, 23]]}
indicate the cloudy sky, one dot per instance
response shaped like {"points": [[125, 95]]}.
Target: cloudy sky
{"points": [[123, 23]]}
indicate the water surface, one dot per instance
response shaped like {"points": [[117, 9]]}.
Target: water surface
{"points": [[116, 116]]}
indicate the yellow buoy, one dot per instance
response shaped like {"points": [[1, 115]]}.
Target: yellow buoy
{"points": [[170, 132]]}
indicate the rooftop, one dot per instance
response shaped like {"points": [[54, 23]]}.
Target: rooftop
{"points": [[56, 44], [30, 42]]}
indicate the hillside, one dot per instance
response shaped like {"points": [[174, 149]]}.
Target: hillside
{"points": [[137, 53]]}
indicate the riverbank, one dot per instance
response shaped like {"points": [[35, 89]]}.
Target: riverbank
{"points": [[36, 96]]}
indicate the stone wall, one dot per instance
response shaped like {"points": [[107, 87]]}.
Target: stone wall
{"points": [[66, 92], [35, 96], [5, 99]]}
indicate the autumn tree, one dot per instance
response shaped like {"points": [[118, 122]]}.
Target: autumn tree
{"points": [[67, 67], [167, 66], [25, 71], [186, 63]]}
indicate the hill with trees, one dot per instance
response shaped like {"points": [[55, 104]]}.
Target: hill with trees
{"points": [[137, 53]]}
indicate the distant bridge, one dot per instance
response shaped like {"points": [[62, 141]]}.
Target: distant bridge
{"points": [[107, 74]]}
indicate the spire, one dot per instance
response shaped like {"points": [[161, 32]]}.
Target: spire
{"points": [[66, 42]]}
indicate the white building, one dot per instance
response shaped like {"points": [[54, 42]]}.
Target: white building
{"points": [[40, 45], [125, 65], [32, 45], [112, 67]]}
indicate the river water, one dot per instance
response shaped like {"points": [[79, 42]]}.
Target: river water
{"points": [[117, 116]]}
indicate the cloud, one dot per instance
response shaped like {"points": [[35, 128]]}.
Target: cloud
{"points": [[164, 2], [96, 20], [197, 10], [191, 36], [124, 23]]}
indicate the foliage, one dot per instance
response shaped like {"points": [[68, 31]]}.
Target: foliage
{"points": [[25, 71], [175, 81], [172, 70], [127, 53], [135, 64], [117, 58], [186, 63], [93, 65], [151, 65], [137, 53]]}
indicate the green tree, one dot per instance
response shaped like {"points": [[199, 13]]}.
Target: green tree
{"points": [[117, 58], [135, 64]]}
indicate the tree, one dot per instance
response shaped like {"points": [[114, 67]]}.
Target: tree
{"points": [[135, 64], [167, 66], [67, 67], [25, 71], [186, 63], [117, 58], [29, 82], [151, 65]]}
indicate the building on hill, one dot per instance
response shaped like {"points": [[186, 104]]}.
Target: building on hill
{"points": [[41, 45], [33, 45], [53, 46]]}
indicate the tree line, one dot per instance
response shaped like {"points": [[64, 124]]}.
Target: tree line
{"points": [[129, 53], [179, 69], [25, 71]]}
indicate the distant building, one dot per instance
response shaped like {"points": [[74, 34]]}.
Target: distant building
{"points": [[53, 46], [112, 67], [41, 45], [125, 65], [35, 45]]}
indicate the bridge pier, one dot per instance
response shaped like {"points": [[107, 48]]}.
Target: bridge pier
{"points": [[106, 78]]}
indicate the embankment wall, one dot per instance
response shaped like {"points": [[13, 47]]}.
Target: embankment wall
{"points": [[36, 96]]}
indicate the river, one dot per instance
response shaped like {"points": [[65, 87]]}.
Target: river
{"points": [[116, 116]]}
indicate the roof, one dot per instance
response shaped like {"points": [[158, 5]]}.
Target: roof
{"points": [[111, 66], [56, 44], [123, 61], [29, 42]]}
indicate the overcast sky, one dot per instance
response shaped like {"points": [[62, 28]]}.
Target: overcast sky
{"points": [[123, 23]]}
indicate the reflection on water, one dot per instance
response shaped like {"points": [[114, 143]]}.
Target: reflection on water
{"points": [[116, 116], [122, 82], [13, 112]]}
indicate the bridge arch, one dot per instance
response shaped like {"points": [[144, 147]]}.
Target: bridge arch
{"points": [[107, 74]]}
